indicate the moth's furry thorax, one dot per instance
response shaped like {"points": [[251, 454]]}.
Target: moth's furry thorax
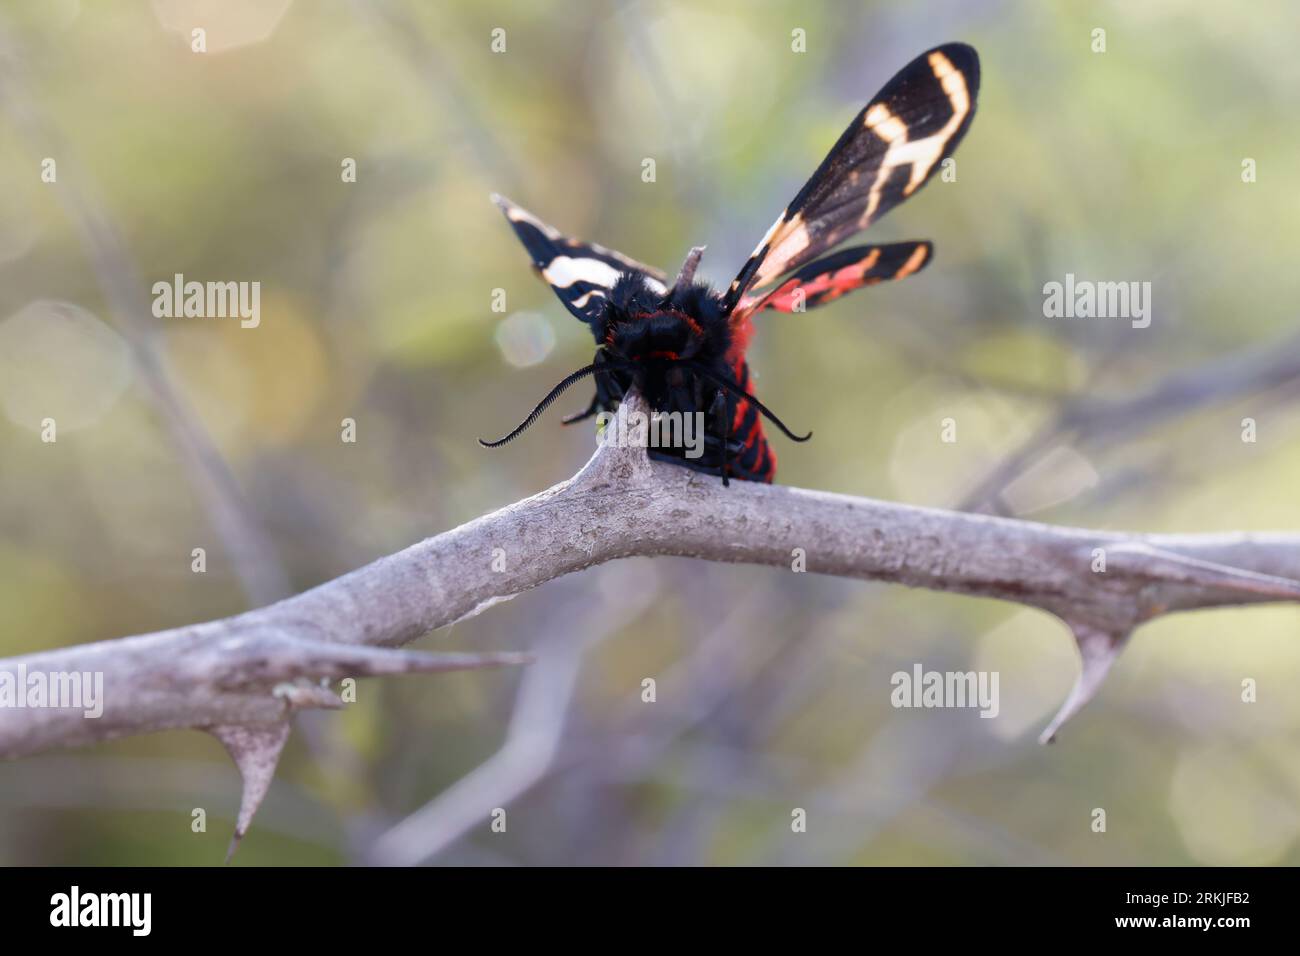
{"points": [[640, 323]]}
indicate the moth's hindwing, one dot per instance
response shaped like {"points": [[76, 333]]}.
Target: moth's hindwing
{"points": [[581, 273], [835, 275], [889, 151]]}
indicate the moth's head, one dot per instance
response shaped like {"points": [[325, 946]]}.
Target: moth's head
{"points": [[666, 340], [649, 325]]}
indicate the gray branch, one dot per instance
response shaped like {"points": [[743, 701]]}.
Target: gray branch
{"points": [[241, 677]]}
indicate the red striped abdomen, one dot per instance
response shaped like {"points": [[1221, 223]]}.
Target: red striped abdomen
{"points": [[755, 461]]}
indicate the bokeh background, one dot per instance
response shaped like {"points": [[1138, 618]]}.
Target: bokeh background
{"points": [[773, 688]]}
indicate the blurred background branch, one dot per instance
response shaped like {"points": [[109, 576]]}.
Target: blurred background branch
{"points": [[249, 548]]}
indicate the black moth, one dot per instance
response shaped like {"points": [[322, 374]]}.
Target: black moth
{"points": [[683, 346]]}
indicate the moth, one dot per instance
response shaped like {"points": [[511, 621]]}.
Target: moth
{"points": [[683, 346]]}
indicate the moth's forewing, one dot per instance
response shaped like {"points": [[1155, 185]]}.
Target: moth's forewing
{"points": [[580, 273], [889, 151]]}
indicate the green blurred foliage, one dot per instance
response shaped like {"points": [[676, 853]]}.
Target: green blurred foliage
{"points": [[1123, 165]]}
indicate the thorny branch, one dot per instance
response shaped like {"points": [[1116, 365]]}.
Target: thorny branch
{"points": [[241, 678]]}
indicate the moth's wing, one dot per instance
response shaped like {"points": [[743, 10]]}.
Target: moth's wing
{"points": [[835, 275], [581, 273], [888, 152]]}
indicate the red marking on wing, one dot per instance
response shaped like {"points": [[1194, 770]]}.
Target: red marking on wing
{"points": [[890, 150], [827, 279]]}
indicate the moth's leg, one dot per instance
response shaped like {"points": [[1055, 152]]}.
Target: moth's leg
{"points": [[726, 439], [658, 455], [736, 471], [613, 391], [592, 409], [599, 400], [721, 406], [715, 444]]}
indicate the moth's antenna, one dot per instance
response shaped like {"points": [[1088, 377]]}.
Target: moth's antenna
{"points": [[739, 392], [595, 368], [687, 275]]}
